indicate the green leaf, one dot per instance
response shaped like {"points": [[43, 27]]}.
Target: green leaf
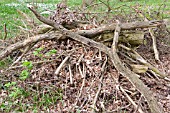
{"points": [[13, 94], [39, 49], [51, 52], [2, 63], [24, 75], [9, 84], [35, 53], [27, 64], [16, 91]]}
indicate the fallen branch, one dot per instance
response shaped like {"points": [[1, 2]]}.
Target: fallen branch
{"points": [[88, 33], [156, 52], [131, 76], [29, 41], [61, 65], [153, 39], [124, 26]]}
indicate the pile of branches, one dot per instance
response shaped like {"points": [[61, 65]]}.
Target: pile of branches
{"points": [[115, 39]]}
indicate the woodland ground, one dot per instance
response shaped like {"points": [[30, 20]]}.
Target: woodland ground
{"points": [[31, 86]]}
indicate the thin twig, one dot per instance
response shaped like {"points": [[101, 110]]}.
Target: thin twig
{"points": [[61, 65], [83, 84], [44, 61], [138, 104], [130, 100], [100, 85], [71, 75], [20, 57]]}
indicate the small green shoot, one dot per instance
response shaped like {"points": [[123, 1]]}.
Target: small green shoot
{"points": [[51, 52], [9, 84], [16, 91], [37, 52], [24, 75], [2, 63], [27, 64]]}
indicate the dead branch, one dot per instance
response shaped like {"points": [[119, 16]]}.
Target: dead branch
{"points": [[61, 65], [124, 26], [83, 74], [156, 52], [131, 76], [153, 39], [88, 33], [29, 41]]}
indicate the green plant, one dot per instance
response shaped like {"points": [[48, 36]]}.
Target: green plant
{"points": [[24, 75], [5, 62], [15, 92], [37, 52], [9, 84], [15, 97], [51, 52], [47, 99], [27, 64], [2, 63]]}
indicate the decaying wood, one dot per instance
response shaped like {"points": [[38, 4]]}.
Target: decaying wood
{"points": [[143, 61], [131, 76], [134, 38], [139, 68], [154, 45], [139, 58]]}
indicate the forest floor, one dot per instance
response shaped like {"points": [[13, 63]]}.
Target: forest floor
{"points": [[87, 81]]}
